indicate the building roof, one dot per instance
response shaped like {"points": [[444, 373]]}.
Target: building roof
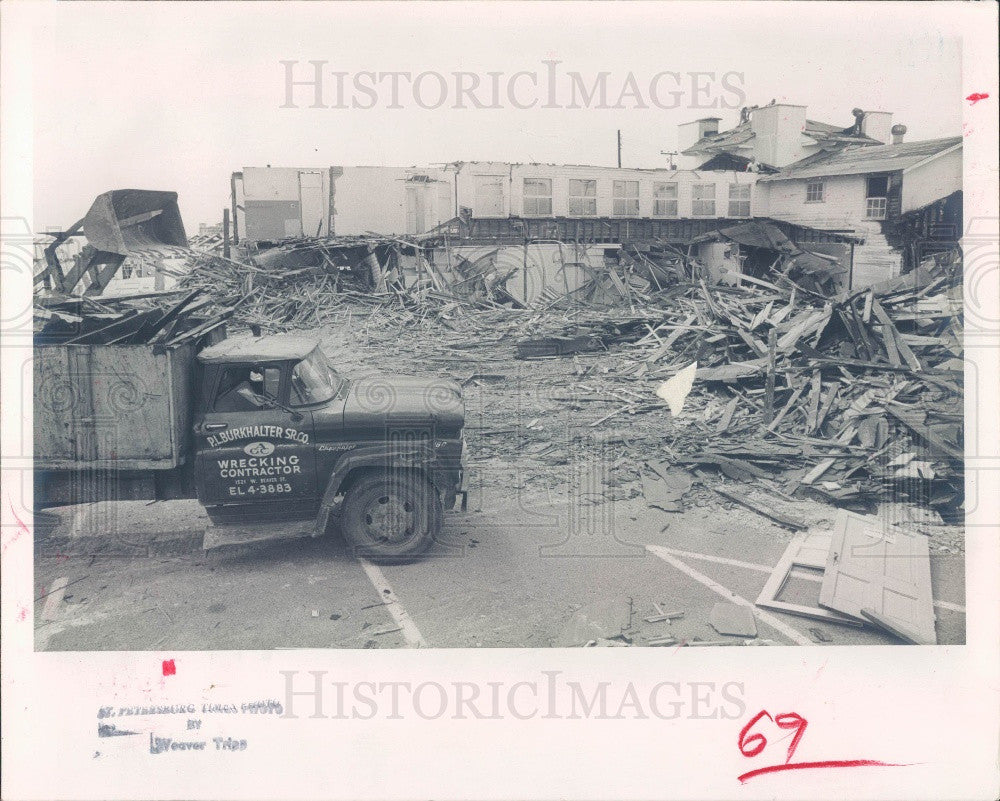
{"points": [[860, 160], [822, 132], [273, 348]]}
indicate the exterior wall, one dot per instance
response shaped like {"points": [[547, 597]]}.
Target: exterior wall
{"points": [[843, 204], [413, 200], [932, 181], [389, 200], [275, 205], [561, 175], [554, 266]]}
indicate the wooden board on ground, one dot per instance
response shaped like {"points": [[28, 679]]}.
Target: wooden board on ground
{"points": [[810, 551], [880, 573]]}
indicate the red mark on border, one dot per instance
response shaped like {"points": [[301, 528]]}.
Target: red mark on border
{"points": [[975, 97], [829, 763], [752, 744], [21, 529], [169, 668]]}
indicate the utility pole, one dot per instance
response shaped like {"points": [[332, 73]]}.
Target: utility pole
{"points": [[619, 147], [225, 233], [670, 154]]}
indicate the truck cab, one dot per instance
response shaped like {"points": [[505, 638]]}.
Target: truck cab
{"points": [[280, 435]]}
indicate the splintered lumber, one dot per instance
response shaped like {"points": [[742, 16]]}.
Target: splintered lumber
{"points": [[777, 517], [890, 333], [727, 416], [791, 402], [772, 340]]}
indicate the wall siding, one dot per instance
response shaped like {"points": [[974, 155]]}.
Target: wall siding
{"points": [[843, 205], [932, 181]]}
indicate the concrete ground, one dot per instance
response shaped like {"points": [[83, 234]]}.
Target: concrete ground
{"points": [[532, 572]]}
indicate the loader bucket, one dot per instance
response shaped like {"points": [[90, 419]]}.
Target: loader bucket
{"points": [[119, 222], [124, 220]]}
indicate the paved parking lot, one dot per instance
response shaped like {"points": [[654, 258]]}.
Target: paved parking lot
{"points": [[534, 572]]}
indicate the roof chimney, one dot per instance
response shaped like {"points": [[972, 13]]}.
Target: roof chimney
{"points": [[898, 132], [876, 124]]}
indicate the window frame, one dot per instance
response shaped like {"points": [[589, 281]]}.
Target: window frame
{"points": [[740, 201], [657, 199], [535, 198], [625, 200], [589, 200], [822, 191], [709, 200], [262, 368]]}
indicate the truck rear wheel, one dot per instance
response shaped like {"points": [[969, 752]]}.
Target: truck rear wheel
{"points": [[391, 516]]}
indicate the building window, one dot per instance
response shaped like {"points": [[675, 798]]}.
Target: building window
{"points": [[626, 198], [875, 209], [877, 197], [582, 198], [703, 200], [665, 198], [739, 200], [814, 192], [537, 197]]}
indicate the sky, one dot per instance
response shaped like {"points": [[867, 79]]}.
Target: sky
{"points": [[179, 96]]}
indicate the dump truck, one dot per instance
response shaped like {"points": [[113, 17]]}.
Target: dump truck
{"points": [[269, 437]]}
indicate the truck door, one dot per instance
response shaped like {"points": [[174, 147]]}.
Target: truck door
{"points": [[248, 452]]}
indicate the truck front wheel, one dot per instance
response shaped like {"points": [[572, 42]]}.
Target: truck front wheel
{"points": [[391, 516]]}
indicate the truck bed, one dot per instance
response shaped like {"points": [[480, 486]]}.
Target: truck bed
{"points": [[112, 407]]}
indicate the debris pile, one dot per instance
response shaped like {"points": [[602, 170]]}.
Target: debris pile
{"points": [[163, 318], [853, 398]]}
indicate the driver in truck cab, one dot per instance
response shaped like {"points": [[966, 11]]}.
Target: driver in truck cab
{"points": [[246, 395]]}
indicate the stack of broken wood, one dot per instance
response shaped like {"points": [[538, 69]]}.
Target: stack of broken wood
{"points": [[164, 318], [852, 398]]}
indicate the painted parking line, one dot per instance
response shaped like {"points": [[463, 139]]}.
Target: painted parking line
{"points": [[729, 595], [720, 560], [410, 632]]}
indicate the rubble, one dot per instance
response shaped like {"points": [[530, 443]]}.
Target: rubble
{"points": [[166, 318], [849, 398]]}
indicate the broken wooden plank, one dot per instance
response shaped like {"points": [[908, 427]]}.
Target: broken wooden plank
{"points": [[771, 514], [786, 408], [727, 416], [889, 329], [772, 340]]}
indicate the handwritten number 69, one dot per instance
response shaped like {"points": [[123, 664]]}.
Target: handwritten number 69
{"points": [[751, 744]]}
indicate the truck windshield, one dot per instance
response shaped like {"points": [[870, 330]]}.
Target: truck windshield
{"points": [[314, 380]]}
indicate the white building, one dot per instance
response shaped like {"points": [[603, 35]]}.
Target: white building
{"points": [[865, 191], [274, 203]]}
